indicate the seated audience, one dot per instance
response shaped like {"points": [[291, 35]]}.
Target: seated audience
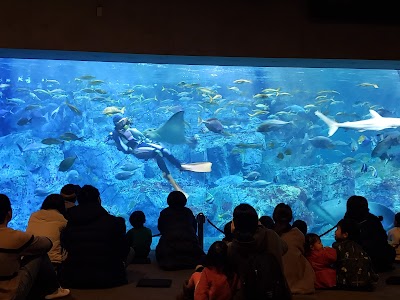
{"points": [[178, 247], [139, 237], [70, 192], [353, 267], [372, 236], [267, 222], [96, 244], [49, 221], [253, 240], [300, 225], [298, 271], [228, 236], [394, 236], [218, 280], [322, 260], [190, 285], [25, 268]]}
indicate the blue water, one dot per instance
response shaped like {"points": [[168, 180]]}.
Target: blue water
{"points": [[41, 99]]}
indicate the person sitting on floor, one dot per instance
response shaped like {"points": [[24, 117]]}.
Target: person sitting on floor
{"points": [[217, 281], [354, 269], [139, 237], [178, 247], [394, 236], [267, 222], [372, 237], [298, 271], [96, 244], [322, 260], [189, 286], [25, 267], [49, 221], [70, 192]]}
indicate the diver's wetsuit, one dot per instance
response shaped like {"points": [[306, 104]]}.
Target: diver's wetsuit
{"points": [[133, 141]]}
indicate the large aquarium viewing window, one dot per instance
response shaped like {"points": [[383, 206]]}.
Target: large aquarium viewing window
{"points": [[306, 136]]}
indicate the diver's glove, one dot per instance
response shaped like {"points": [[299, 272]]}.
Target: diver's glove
{"points": [[130, 150]]}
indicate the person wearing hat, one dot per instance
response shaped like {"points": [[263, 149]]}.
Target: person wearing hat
{"points": [[131, 141]]}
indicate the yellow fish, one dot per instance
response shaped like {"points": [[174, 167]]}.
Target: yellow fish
{"points": [[112, 110]]}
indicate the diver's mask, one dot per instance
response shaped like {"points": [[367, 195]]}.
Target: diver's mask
{"points": [[123, 124]]}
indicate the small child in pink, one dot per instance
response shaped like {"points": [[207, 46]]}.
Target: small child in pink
{"points": [[321, 258]]}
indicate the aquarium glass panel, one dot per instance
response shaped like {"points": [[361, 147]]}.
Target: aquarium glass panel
{"points": [[308, 137]]}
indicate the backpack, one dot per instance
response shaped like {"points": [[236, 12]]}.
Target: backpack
{"points": [[261, 277]]}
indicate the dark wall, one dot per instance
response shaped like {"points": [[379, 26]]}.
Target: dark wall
{"points": [[274, 29]]}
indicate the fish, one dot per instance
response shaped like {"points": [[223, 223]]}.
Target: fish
{"points": [[74, 109], [4, 85], [213, 124], [287, 152], [241, 81], [24, 121], [129, 167], [55, 112], [112, 110], [173, 131], [364, 168], [124, 175], [51, 141], [280, 156], [258, 112], [69, 136], [348, 161], [15, 101], [269, 90], [31, 147], [95, 82], [353, 145], [328, 92], [250, 146], [87, 77], [366, 84], [321, 142], [32, 107], [170, 90], [67, 163], [391, 139], [260, 183], [258, 96], [376, 122], [254, 175], [363, 140], [101, 91], [51, 81], [273, 123]]}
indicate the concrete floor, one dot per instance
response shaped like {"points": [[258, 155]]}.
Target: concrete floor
{"points": [[136, 272]]}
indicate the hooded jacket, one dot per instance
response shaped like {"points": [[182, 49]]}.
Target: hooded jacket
{"points": [[96, 246], [49, 223]]}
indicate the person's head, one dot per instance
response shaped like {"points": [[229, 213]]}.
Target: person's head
{"points": [[313, 243], [120, 122], [176, 199], [5, 209], [267, 222], [397, 220], [137, 219], [228, 232], [217, 255], [357, 208], [54, 201], [89, 194], [300, 225], [347, 229], [245, 219], [282, 214], [70, 192]]}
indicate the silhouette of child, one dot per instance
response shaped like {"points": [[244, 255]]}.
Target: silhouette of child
{"points": [[139, 237], [321, 259]]}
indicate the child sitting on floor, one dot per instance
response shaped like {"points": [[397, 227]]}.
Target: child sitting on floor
{"points": [[189, 286], [353, 267], [217, 280], [321, 259], [139, 237]]}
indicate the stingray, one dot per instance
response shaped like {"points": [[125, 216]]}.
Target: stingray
{"points": [[173, 131]]}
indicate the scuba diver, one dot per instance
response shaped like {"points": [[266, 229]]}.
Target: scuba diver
{"points": [[131, 141]]}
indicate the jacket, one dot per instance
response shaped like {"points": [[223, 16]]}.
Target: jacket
{"points": [[96, 246], [322, 262], [49, 223]]}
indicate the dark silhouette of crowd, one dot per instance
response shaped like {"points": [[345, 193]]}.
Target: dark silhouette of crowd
{"points": [[73, 242]]}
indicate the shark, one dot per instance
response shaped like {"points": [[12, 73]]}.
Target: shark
{"points": [[377, 122]]}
